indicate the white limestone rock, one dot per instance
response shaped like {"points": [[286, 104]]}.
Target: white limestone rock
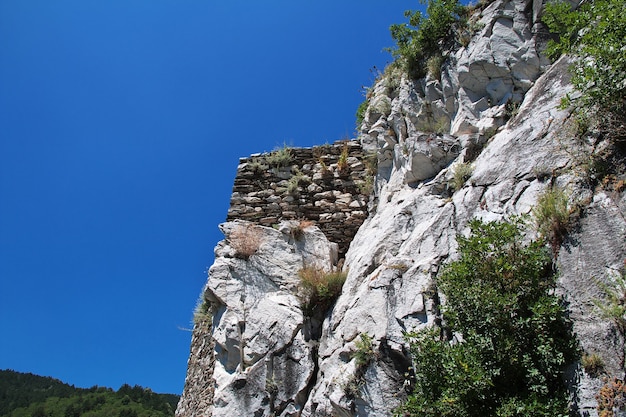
{"points": [[258, 323]]}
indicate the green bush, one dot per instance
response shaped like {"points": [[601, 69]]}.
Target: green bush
{"points": [[514, 338], [594, 34], [426, 35]]}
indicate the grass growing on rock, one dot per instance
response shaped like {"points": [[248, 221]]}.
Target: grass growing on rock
{"points": [[245, 240], [319, 289], [462, 173], [553, 217]]}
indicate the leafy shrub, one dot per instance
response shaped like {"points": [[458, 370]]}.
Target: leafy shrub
{"points": [[426, 35], [245, 240], [552, 216], [594, 33], [516, 338], [319, 289]]}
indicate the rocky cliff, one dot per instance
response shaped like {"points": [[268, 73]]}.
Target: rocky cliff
{"points": [[484, 139]]}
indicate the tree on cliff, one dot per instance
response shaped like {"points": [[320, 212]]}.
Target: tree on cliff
{"points": [[506, 337], [594, 34]]}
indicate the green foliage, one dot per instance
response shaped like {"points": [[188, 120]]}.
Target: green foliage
{"points": [[514, 337], [552, 216], [594, 33], [566, 23], [462, 173], [279, 158], [258, 164], [426, 35], [613, 307], [319, 289], [27, 395], [364, 350], [202, 313], [360, 112], [433, 65], [295, 182]]}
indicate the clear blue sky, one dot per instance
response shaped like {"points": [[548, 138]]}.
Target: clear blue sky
{"points": [[121, 125]]}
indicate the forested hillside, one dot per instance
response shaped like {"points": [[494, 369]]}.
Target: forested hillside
{"points": [[29, 395]]}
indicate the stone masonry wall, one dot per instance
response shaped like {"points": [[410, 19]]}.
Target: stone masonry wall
{"points": [[328, 185]]}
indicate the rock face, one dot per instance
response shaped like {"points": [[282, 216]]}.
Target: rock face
{"points": [[260, 355]]}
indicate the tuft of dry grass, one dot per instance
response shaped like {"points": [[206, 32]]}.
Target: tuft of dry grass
{"points": [[319, 289], [433, 66], [342, 163], [246, 241], [462, 173], [592, 364], [297, 231]]}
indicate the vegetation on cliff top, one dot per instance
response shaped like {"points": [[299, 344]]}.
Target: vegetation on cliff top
{"points": [[426, 35]]}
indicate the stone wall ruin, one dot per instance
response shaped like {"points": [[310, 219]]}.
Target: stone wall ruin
{"points": [[328, 185]]}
